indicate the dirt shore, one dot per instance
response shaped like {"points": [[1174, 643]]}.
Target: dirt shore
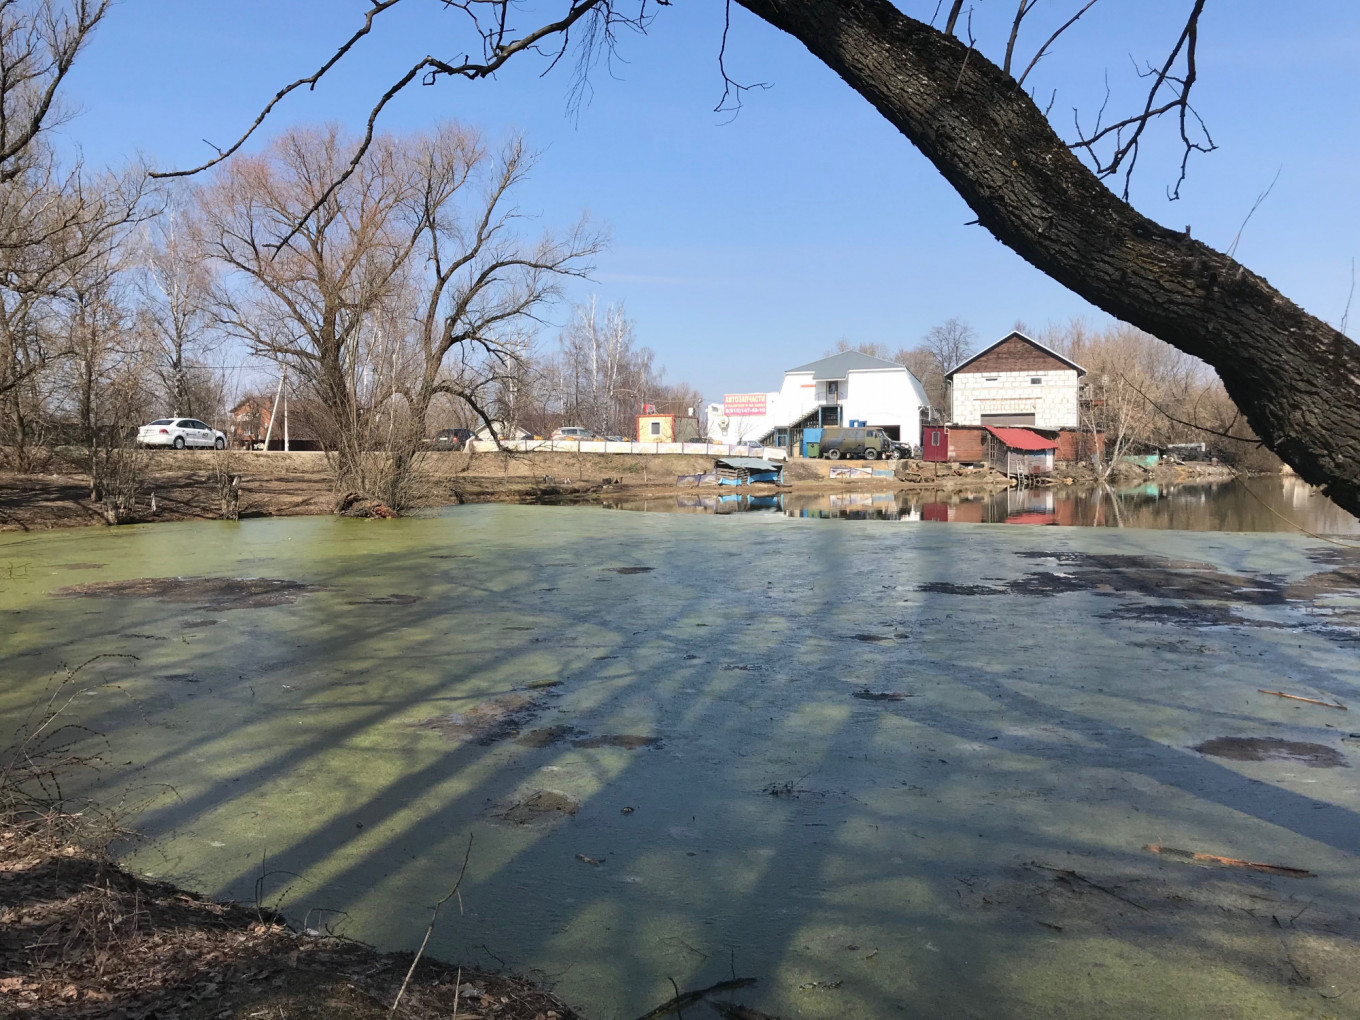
{"points": [[80, 937], [185, 485]]}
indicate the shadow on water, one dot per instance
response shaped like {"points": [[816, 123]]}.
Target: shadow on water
{"points": [[781, 748]]}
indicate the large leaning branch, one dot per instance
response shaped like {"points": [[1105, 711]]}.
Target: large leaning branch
{"points": [[1295, 377]]}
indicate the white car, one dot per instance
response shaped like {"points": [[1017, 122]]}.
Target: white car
{"points": [[179, 433]]}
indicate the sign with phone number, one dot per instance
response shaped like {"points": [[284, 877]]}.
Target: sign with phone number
{"points": [[736, 405]]}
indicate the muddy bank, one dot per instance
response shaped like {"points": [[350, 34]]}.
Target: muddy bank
{"points": [[80, 937], [185, 485]]}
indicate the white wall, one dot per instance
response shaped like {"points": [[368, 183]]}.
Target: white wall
{"points": [[888, 396], [1052, 401], [794, 399], [883, 397]]}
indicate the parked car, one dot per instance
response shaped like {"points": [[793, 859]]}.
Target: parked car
{"points": [[451, 439], [572, 432], [617, 439], [856, 444], [179, 433]]}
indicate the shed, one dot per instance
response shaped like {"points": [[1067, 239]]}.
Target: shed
{"points": [[747, 471], [959, 444], [1019, 452], [667, 428]]}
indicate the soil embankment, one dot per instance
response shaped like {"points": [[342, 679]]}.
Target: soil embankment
{"points": [[80, 937], [187, 485]]}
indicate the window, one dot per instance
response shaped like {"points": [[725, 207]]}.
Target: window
{"points": [[991, 378], [934, 439], [1035, 380], [656, 428]]}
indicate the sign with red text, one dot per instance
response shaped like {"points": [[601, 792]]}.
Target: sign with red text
{"points": [[739, 405]]}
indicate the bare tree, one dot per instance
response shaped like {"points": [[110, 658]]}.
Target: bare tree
{"points": [[482, 284], [1296, 378], [176, 285], [55, 222], [308, 298], [944, 347], [950, 343]]}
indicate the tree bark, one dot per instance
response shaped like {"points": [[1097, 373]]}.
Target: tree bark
{"points": [[1295, 378]]}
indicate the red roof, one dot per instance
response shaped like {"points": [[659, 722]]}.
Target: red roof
{"points": [[1022, 439]]}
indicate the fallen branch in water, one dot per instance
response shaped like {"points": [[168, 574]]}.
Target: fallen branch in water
{"points": [[1069, 874], [690, 998], [430, 930], [1229, 862], [1311, 701], [732, 1011]]}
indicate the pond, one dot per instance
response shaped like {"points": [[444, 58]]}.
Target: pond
{"points": [[1255, 504], [883, 770]]}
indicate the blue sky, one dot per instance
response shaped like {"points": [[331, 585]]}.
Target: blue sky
{"points": [[745, 246]]}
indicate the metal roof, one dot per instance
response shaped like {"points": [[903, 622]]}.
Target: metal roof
{"points": [[1028, 339], [1022, 439], [836, 366], [748, 463]]}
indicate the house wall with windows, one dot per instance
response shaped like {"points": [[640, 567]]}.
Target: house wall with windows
{"points": [[845, 387], [1016, 381]]}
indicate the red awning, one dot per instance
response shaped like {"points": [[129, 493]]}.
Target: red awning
{"points": [[1023, 439]]}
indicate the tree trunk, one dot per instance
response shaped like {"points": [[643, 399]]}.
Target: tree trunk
{"points": [[1295, 378]]}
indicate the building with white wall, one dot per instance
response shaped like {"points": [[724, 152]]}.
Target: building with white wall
{"points": [[1016, 381], [845, 387]]}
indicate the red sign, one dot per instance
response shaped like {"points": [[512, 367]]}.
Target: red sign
{"points": [[737, 405]]}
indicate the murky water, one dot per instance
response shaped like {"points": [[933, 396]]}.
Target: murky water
{"points": [[1256, 504], [885, 771]]}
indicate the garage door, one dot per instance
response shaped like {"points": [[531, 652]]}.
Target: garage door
{"points": [[1008, 419]]}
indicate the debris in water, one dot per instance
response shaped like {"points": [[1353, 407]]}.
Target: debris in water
{"points": [[1229, 862], [207, 592], [949, 588], [542, 805], [627, 810], [732, 1011], [630, 570], [495, 719], [872, 637], [1315, 756], [1069, 876], [547, 736], [589, 860], [395, 599], [868, 695], [628, 741], [675, 1004], [1311, 701], [195, 624]]}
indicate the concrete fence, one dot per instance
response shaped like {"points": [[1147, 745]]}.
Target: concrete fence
{"points": [[633, 448]]}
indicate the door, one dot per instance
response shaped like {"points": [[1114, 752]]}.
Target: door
{"points": [[998, 420]]}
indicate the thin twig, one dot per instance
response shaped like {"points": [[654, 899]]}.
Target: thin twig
{"points": [[1311, 701], [430, 930], [1232, 248], [1063, 28]]}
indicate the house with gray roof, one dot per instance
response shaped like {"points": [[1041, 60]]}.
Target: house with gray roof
{"points": [[843, 388]]}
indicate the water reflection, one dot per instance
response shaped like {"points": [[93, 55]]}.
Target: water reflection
{"points": [[1259, 504]]}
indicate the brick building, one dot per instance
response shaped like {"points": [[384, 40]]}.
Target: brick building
{"points": [[1016, 381]]}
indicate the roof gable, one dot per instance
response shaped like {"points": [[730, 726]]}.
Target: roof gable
{"points": [[836, 366], [1026, 353]]}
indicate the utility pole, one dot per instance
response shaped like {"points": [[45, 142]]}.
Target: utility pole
{"points": [[269, 430], [283, 385]]}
